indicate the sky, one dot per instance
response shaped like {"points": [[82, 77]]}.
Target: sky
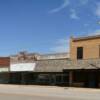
{"points": [[45, 26]]}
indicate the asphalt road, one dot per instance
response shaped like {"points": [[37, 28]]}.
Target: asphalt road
{"points": [[11, 92]]}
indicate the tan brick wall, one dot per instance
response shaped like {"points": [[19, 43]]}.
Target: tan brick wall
{"points": [[90, 48]]}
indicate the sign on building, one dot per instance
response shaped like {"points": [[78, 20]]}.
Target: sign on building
{"points": [[23, 67], [4, 69]]}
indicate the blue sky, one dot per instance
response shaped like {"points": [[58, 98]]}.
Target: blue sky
{"points": [[44, 26]]}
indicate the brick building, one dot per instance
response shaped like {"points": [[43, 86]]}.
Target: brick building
{"points": [[33, 68], [80, 68], [4, 69], [85, 47]]}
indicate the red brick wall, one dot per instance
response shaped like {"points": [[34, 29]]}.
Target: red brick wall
{"points": [[4, 61]]}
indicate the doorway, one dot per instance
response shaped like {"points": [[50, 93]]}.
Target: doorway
{"points": [[92, 80]]}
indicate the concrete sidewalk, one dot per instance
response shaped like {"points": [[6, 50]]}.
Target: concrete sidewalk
{"points": [[51, 91]]}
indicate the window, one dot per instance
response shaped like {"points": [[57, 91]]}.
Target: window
{"points": [[99, 51], [80, 53]]}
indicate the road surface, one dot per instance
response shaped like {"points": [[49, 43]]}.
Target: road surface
{"points": [[22, 92]]}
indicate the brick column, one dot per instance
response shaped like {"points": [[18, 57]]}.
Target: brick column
{"points": [[70, 78]]}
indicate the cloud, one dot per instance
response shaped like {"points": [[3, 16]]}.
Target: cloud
{"points": [[97, 12], [62, 45], [97, 32], [83, 2], [64, 5], [86, 24], [73, 14]]}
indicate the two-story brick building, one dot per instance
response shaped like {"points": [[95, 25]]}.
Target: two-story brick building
{"points": [[85, 56], [85, 47]]}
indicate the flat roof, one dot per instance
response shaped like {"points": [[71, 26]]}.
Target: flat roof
{"points": [[85, 38], [64, 64]]}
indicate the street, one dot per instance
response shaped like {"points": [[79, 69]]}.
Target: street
{"points": [[23, 97], [22, 92]]}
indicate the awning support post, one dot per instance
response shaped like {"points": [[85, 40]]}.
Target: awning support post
{"points": [[70, 78]]}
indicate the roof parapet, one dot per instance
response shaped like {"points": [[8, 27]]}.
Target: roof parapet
{"points": [[85, 38]]}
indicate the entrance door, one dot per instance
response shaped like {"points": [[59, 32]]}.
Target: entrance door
{"points": [[92, 80]]}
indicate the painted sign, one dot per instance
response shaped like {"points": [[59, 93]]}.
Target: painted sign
{"points": [[23, 67], [4, 69]]}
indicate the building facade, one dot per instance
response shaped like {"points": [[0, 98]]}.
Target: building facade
{"points": [[4, 69], [53, 56], [26, 68], [85, 47], [79, 69]]}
